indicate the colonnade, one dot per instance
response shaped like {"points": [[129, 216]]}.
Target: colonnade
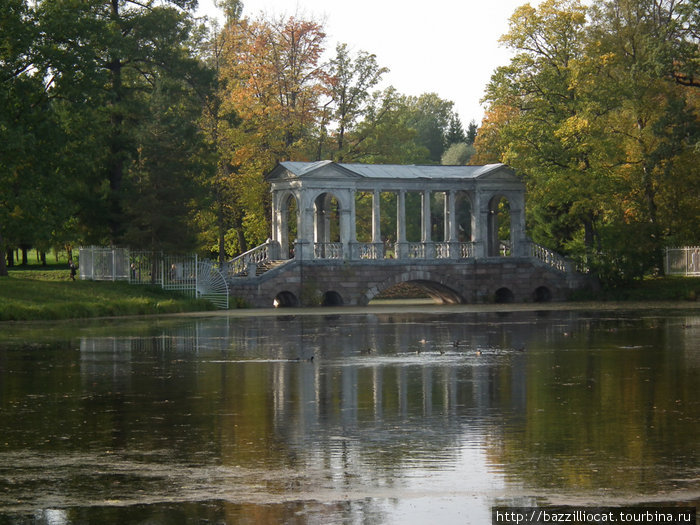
{"points": [[333, 191]]}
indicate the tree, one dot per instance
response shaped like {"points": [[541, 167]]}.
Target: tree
{"points": [[103, 55], [272, 81], [165, 180], [472, 131], [593, 117], [458, 154], [386, 135], [546, 134], [222, 215], [32, 187], [455, 132], [349, 84], [430, 116], [655, 121]]}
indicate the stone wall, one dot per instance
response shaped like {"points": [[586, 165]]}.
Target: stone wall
{"points": [[470, 281]]}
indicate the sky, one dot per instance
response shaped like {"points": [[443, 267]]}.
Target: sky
{"points": [[448, 47]]}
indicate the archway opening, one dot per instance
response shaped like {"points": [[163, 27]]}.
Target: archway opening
{"points": [[327, 227], [504, 295], [438, 215], [285, 300], [542, 294], [413, 216], [332, 298], [499, 234], [365, 219], [463, 209], [290, 219], [363, 216]]}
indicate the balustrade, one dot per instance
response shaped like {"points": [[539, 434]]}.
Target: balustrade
{"points": [[415, 250], [442, 250], [368, 250], [242, 265], [328, 250], [466, 250], [548, 257]]}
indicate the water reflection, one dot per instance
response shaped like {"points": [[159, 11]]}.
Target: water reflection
{"points": [[355, 418]]}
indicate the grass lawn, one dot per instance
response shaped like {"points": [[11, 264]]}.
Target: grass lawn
{"points": [[46, 293], [673, 288]]}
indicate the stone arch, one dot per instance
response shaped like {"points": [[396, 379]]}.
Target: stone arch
{"points": [[542, 294], [285, 299], [332, 298], [504, 295], [436, 289], [464, 210], [499, 226], [327, 217], [287, 227]]}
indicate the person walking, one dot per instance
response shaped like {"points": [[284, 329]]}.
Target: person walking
{"points": [[73, 269]]}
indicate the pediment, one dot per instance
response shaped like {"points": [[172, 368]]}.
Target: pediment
{"points": [[497, 172], [326, 170]]}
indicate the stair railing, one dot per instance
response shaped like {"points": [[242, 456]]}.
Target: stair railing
{"points": [[246, 263], [549, 257]]}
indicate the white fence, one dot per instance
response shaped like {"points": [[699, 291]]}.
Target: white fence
{"points": [[182, 273], [682, 261], [103, 264]]}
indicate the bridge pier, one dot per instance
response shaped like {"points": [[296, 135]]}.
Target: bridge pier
{"points": [[356, 283]]}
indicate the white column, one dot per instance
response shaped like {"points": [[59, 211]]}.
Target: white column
{"points": [[281, 234], [451, 224], [480, 212], [376, 219], [401, 224], [425, 216], [428, 246], [451, 217], [305, 229], [518, 237], [275, 218], [352, 246], [378, 246]]}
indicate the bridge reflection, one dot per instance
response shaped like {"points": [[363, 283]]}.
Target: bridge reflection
{"points": [[352, 370]]}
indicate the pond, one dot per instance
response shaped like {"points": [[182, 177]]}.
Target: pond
{"points": [[348, 416]]}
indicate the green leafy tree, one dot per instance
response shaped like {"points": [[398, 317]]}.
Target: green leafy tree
{"points": [[647, 70], [32, 186], [350, 81], [458, 154], [455, 132], [547, 136], [165, 179], [472, 131], [221, 218], [103, 57], [592, 114], [429, 116], [385, 135]]}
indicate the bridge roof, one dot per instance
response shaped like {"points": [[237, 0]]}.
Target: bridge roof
{"points": [[387, 171]]}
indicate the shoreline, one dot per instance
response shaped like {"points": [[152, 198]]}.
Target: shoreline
{"points": [[392, 306]]}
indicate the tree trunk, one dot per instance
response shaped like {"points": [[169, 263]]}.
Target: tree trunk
{"points": [[222, 233], [3, 266], [116, 161], [240, 234], [650, 196]]}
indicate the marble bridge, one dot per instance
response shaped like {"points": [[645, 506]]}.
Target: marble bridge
{"points": [[344, 233]]}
